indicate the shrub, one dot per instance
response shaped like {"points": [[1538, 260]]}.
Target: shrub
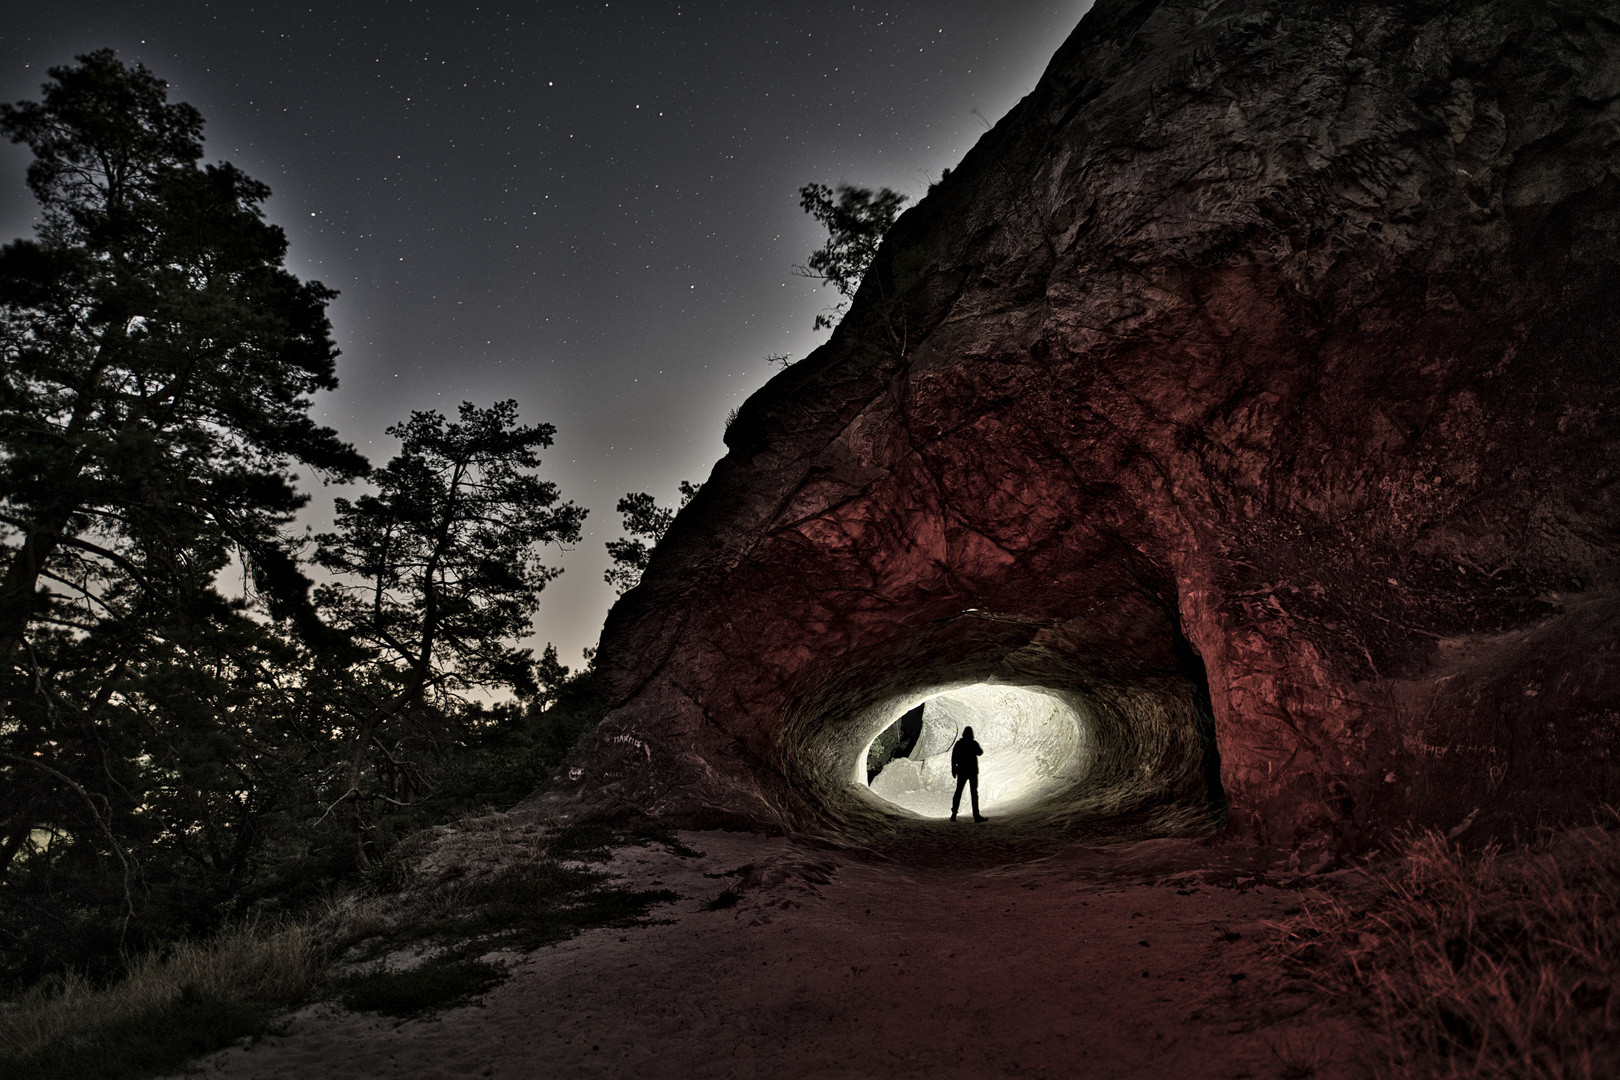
{"points": [[439, 982], [1486, 964], [200, 997]]}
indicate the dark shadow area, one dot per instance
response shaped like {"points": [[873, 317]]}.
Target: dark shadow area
{"points": [[1191, 665], [897, 741]]}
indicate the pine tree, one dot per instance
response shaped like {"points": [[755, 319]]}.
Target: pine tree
{"points": [[856, 221], [644, 520], [439, 573], [157, 365]]}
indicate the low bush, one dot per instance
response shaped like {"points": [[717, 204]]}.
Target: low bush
{"points": [[200, 997], [151, 1043], [546, 897], [1486, 964], [528, 905]]}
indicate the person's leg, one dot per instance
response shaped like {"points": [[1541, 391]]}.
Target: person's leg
{"points": [[974, 782], [956, 801]]}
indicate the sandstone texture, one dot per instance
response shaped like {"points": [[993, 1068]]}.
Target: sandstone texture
{"points": [[1253, 382]]}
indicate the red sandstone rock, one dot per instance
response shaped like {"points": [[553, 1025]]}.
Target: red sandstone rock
{"points": [[1273, 341]]}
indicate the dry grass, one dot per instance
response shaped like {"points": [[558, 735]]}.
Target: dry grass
{"points": [[487, 885], [490, 820], [1490, 964], [358, 916], [244, 964]]}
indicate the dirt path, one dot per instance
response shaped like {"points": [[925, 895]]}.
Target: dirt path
{"points": [[1106, 963]]}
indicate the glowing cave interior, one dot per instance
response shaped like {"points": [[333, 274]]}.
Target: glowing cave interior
{"points": [[1035, 743], [1076, 745]]}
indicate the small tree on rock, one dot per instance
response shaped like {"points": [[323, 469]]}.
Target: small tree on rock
{"points": [[645, 521], [856, 221]]}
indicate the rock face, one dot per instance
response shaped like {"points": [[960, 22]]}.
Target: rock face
{"points": [[1254, 384]]}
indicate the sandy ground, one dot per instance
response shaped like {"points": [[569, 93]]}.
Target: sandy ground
{"points": [[1137, 961]]}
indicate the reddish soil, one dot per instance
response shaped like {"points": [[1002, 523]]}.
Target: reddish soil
{"points": [[1144, 960]]}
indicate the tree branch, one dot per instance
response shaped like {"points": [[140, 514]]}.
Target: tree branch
{"points": [[106, 827]]}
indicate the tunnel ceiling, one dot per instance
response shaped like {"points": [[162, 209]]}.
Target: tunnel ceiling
{"points": [[1249, 387]]}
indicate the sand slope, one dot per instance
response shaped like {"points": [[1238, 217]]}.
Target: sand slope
{"points": [[1114, 962]]}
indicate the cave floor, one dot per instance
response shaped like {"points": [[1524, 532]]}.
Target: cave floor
{"points": [[1105, 962]]}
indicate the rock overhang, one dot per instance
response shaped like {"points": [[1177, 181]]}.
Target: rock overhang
{"points": [[1242, 375]]}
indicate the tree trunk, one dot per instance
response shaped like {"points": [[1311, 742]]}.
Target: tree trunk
{"points": [[41, 539], [357, 761], [17, 833]]}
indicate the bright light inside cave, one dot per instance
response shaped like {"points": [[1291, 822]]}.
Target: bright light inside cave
{"points": [[1034, 743]]}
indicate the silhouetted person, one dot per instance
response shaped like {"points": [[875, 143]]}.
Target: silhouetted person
{"points": [[965, 767]]}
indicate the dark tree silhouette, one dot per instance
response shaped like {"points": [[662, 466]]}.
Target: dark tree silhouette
{"points": [[157, 363], [856, 220], [173, 747], [645, 521], [439, 571], [159, 358]]}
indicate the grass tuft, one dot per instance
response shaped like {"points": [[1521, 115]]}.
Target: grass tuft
{"points": [[727, 899], [1485, 965], [200, 997], [385, 876]]}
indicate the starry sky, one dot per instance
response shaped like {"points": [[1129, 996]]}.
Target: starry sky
{"points": [[589, 207]]}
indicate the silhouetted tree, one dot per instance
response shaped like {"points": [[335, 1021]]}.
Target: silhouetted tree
{"points": [[552, 675], [169, 747], [439, 572], [157, 363], [645, 521], [856, 220]]}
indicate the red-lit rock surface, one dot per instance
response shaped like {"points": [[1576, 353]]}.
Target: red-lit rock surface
{"points": [[1294, 323]]}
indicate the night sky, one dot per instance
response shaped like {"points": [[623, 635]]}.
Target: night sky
{"points": [[591, 208]]}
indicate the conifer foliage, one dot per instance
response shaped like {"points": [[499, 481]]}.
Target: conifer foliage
{"points": [[178, 713], [644, 520], [158, 366], [438, 572], [856, 220]]}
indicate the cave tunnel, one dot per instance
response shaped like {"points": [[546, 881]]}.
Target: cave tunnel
{"points": [[1035, 743], [1076, 744]]}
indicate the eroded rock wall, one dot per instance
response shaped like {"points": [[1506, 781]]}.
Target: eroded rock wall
{"points": [[1268, 347]]}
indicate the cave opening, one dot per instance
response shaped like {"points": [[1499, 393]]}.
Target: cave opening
{"points": [[1080, 742], [1035, 743]]}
